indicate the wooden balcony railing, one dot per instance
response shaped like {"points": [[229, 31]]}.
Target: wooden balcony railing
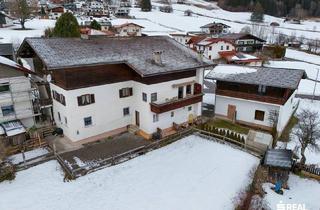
{"points": [[253, 97], [175, 104]]}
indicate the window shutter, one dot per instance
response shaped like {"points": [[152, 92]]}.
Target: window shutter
{"points": [[92, 98], [121, 93], [79, 101], [130, 91]]}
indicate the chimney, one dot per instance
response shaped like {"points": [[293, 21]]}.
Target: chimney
{"points": [[157, 57]]}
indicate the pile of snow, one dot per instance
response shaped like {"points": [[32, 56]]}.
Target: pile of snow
{"points": [[18, 158], [192, 173], [302, 192]]}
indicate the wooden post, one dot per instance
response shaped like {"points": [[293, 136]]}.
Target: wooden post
{"points": [[54, 149], [23, 157], [315, 86]]}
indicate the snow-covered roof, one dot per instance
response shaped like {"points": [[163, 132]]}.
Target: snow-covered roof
{"points": [[274, 77], [278, 158], [137, 52], [13, 128], [7, 62], [210, 25]]}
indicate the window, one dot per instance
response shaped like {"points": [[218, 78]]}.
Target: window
{"points": [[228, 47], [221, 47], [87, 121], [172, 114], [155, 118], [126, 111], [125, 92], [59, 116], [210, 48], [209, 57], [180, 92], [59, 97], [262, 89], [259, 115], [65, 120], [144, 97], [153, 97], [4, 87], [86, 99], [7, 110], [188, 89], [189, 108]]}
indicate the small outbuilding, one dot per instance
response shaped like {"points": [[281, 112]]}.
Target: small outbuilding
{"points": [[279, 163]]}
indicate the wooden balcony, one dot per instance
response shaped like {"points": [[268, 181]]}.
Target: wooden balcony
{"points": [[253, 97], [175, 104]]}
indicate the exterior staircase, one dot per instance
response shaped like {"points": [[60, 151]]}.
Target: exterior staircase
{"points": [[133, 129], [46, 131]]}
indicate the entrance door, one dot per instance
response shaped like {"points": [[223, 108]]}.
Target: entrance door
{"points": [[137, 118], [232, 112]]}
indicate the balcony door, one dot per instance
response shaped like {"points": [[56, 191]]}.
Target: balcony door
{"points": [[137, 118], [180, 92]]}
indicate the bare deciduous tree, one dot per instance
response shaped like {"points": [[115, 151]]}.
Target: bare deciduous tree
{"points": [[308, 132], [21, 9]]}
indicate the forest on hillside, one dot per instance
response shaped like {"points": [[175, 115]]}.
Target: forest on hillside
{"points": [[280, 8]]}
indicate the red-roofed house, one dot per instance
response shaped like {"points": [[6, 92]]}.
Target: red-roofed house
{"points": [[128, 29], [233, 57]]}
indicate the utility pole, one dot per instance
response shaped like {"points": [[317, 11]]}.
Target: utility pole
{"points": [[315, 86]]}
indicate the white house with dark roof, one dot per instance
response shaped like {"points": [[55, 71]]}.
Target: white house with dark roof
{"points": [[102, 87], [259, 97]]}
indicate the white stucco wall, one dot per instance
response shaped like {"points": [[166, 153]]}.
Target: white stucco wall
{"points": [[130, 29], [216, 48], [245, 109], [107, 111], [286, 112]]}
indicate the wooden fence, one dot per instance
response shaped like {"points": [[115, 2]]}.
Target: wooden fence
{"points": [[256, 151], [120, 158]]}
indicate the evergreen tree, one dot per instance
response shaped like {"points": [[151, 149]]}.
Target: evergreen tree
{"points": [[257, 14], [95, 25], [43, 11], [146, 5], [66, 26]]}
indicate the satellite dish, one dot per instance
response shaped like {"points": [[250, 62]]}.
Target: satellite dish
{"points": [[49, 78]]}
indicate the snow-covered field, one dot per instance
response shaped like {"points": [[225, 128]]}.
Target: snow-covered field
{"points": [[192, 173], [37, 26], [302, 192]]}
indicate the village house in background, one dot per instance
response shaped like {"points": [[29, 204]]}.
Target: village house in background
{"points": [[259, 97], [247, 43], [215, 28], [128, 29], [16, 102], [152, 85]]}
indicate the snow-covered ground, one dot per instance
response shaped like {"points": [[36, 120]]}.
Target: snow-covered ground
{"points": [[302, 56], [302, 192], [192, 173], [18, 158], [305, 86], [36, 26], [312, 157]]}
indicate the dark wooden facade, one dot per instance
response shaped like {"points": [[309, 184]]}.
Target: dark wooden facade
{"points": [[87, 76], [272, 95], [176, 104]]}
